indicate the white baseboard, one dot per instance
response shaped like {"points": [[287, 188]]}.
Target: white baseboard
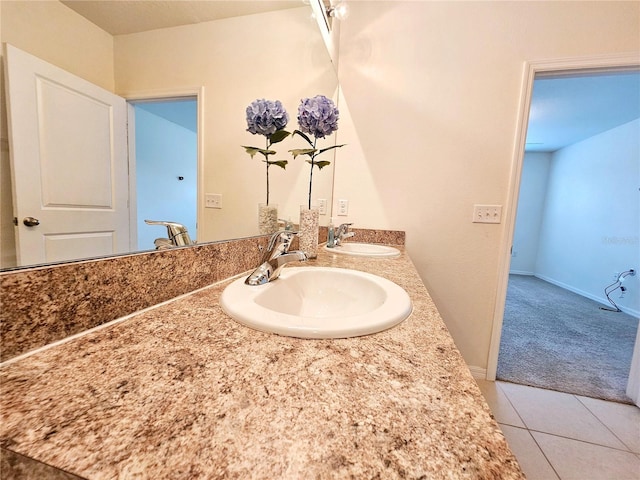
{"points": [[478, 372], [521, 272], [602, 300]]}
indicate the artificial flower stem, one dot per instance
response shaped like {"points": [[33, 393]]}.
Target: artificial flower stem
{"points": [[315, 140], [266, 160]]}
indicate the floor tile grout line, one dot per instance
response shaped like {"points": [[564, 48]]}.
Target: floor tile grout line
{"points": [[566, 438], [605, 425], [498, 384], [530, 431], [582, 441], [544, 454], [512, 405], [541, 450], [563, 436], [512, 425], [628, 450]]}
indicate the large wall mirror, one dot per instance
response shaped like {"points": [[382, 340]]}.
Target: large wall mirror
{"points": [[205, 61]]}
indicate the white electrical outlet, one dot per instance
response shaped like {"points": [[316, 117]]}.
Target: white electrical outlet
{"points": [[322, 206], [487, 213], [213, 200], [343, 208]]}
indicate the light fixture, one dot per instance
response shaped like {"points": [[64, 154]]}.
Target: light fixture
{"points": [[339, 10]]}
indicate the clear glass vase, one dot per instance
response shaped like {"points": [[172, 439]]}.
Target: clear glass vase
{"points": [[308, 233], [267, 218]]}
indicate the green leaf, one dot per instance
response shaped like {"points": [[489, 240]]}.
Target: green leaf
{"points": [[331, 148], [298, 132], [281, 163], [302, 151], [278, 136], [253, 150], [321, 164]]}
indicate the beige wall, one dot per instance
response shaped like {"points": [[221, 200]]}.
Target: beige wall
{"points": [[433, 89], [56, 34], [277, 55]]}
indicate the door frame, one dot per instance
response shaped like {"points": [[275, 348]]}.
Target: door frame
{"points": [[163, 95], [531, 69]]}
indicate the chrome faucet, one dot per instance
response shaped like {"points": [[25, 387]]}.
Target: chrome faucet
{"points": [[276, 257], [177, 233], [343, 232]]}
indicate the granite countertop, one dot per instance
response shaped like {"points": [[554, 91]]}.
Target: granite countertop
{"points": [[182, 391]]}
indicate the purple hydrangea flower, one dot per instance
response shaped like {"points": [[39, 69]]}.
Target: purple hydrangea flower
{"points": [[318, 116], [265, 117]]}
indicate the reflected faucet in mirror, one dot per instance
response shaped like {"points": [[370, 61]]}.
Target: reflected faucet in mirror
{"points": [[343, 232], [177, 233]]}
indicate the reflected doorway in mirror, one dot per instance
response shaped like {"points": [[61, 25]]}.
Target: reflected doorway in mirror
{"points": [[166, 149]]}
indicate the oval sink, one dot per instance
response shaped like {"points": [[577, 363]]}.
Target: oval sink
{"points": [[364, 250], [318, 302]]}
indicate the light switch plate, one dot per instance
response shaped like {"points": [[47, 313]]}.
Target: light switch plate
{"points": [[213, 200], [487, 213]]}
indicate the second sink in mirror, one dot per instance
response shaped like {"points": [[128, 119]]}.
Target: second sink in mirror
{"points": [[364, 250]]}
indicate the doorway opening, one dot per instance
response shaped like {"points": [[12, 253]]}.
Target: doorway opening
{"points": [[577, 218], [165, 151]]}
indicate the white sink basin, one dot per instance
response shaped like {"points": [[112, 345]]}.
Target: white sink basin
{"points": [[318, 302], [364, 250]]}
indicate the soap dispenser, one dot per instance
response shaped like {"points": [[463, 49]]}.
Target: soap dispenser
{"points": [[331, 235]]}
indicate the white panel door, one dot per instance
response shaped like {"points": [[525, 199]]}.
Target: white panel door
{"points": [[69, 166]]}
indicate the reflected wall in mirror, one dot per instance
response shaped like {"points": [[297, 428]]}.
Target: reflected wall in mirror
{"points": [[278, 55]]}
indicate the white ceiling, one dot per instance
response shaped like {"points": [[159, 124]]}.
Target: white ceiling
{"points": [[566, 110], [132, 16], [182, 111]]}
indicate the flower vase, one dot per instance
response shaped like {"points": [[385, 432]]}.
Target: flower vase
{"points": [[308, 234], [267, 218]]}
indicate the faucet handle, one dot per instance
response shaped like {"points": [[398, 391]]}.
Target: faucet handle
{"points": [[343, 228], [288, 225], [281, 240]]}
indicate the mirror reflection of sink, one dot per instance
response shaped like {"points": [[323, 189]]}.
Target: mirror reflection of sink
{"points": [[364, 250], [318, 302]]}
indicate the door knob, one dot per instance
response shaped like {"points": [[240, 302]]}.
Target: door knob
{"points": [[30, 221]]}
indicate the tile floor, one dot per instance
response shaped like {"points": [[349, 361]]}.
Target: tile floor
{"points": [[559, 436]]}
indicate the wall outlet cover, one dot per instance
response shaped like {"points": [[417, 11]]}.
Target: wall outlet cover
{"points": [[343, 208], [322, 206]]}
